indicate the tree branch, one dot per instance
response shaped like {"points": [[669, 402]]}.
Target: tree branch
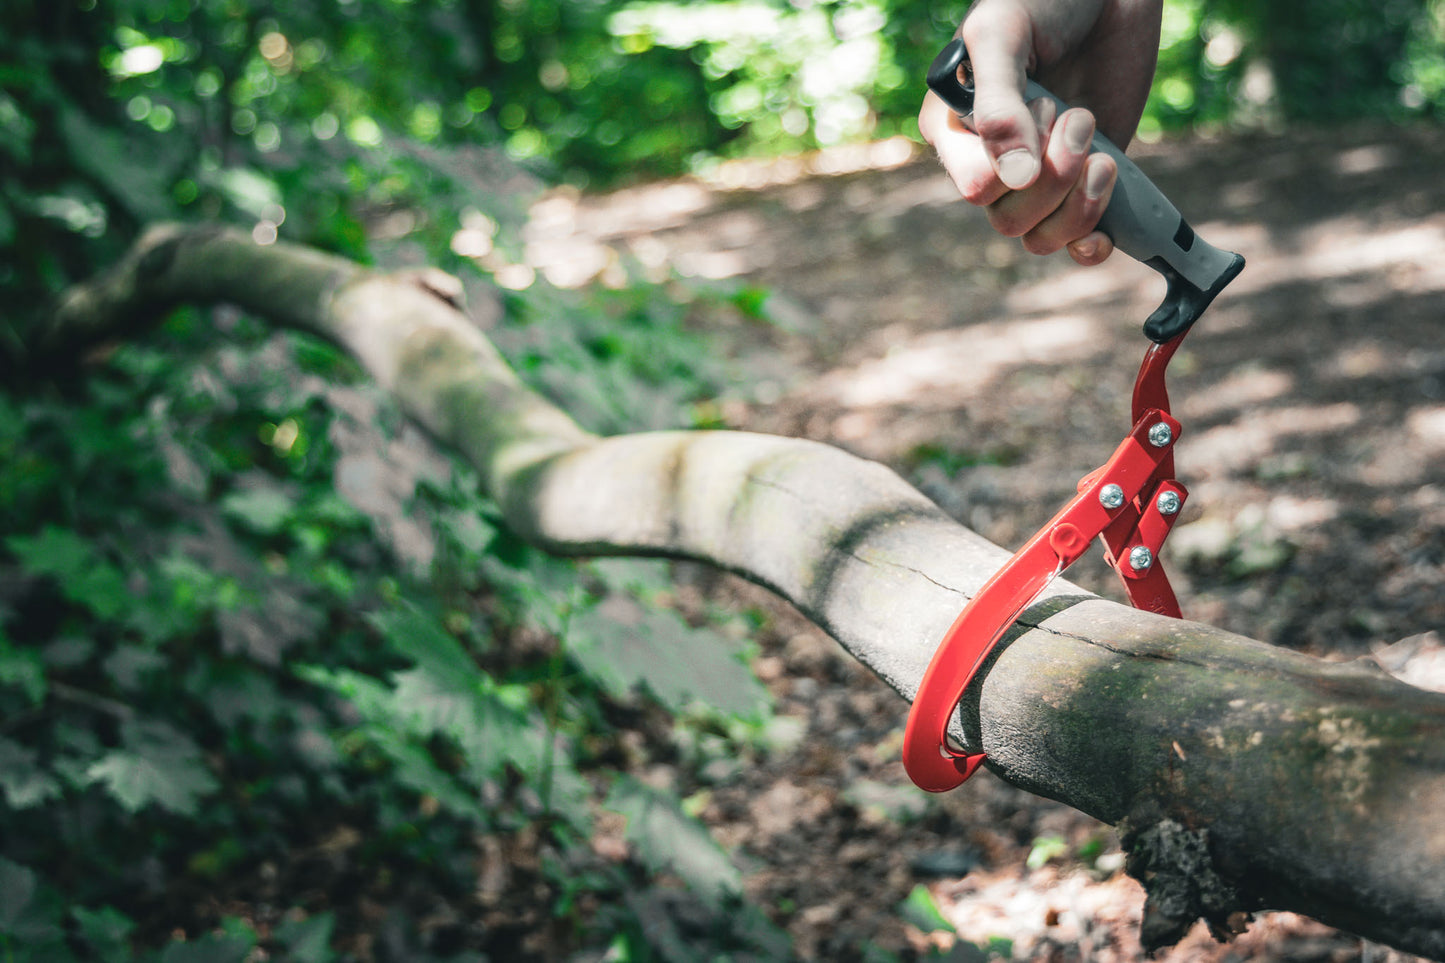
{"points": [[1241, 775]]}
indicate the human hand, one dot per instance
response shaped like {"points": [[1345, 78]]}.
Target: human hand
{"points": [[1029, 169]]}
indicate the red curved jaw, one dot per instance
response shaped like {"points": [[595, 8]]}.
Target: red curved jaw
{"points": [[1130, 503]]}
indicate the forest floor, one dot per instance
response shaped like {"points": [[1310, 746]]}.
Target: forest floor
{"points": [[1313, 399]]}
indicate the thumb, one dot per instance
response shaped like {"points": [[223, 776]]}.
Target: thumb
{"points": [[998, 49]]}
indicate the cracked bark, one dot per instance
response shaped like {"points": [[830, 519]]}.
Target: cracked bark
{"points": [[1242, 776]]}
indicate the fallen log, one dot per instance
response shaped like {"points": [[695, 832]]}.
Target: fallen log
{"points": [[1241, 776]]}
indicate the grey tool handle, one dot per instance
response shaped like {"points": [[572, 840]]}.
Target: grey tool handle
{"points": [[1139, 219]]}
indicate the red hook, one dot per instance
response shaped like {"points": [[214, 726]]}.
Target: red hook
{"points": [[1131, 502]]}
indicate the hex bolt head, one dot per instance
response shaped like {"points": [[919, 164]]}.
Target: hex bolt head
{"points": [[1111, 496], [1140, 558], [1168, 503], [1160, 434]]}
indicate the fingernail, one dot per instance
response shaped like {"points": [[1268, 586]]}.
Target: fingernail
{"points": [[1097, 180], [1078, 132], [1044, 112], [1087, 248], [1017, 169]]}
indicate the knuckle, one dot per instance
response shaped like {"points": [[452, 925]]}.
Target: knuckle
{"points": [[1008, 223], [1038, 243], [976, 193], [996, 124]]}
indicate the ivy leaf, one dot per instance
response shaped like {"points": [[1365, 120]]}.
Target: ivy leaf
{"points": [[232, 945], [128, 664], [7, 223], [489, 732], [24, 783], [27, 915], [667, 839], [73, 562], [155, 765], [621, 645], [23, 669], [107, 930], [111, 158], [414, 768], [417, 635], [308, 940], [262, 509], [446, 693]]}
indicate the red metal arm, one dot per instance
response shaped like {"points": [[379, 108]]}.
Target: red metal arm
{"points": [[1131, 502]]}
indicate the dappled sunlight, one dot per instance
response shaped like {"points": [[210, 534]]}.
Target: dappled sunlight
{"points": [[1240, 445], [1425, 430], [1042, 909], [756, 174], [1369, 263], [941, 369], [1286, 513], [572, 239], [1118, 277], [1245, 388], [1366, 159]]}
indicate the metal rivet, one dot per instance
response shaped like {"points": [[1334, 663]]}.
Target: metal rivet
{"points": [[1111, 496], [1160, 434], [1168, 503], [1140, 558]]}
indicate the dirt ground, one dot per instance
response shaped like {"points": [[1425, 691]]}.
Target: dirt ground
{"points": [[1313, 400]]}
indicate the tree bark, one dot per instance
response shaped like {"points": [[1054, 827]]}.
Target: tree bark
{"points": [[1242, 776]]}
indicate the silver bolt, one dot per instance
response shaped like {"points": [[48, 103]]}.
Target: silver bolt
{"points": [[1111, 496], [1140, 558], [1168, 503], [1160, 434]]}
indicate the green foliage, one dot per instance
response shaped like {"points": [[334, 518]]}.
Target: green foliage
{"points": [[1225, 62], [155, 764], [312, 119], [920, 909], [667, 839], [1046, 849], [213, 653]]}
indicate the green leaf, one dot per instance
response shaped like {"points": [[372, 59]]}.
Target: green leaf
{"points": [[621, 645], [920, 909], [23, 669], [423, 703], [264, 510], [128, 664], [156, 765], [416, 769], [308, 940], [667, 839], [489, 732], [82, 574], [248, 189], [26, 914], [1046, 848], [224, 947], [106, 930], [417, 635], [108, 155], [24, 783]]}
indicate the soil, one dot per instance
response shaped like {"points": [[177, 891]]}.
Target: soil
{"points": [[903, 329]]}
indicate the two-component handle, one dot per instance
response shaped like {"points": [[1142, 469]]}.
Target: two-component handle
{"points": [[1140, 220]]}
